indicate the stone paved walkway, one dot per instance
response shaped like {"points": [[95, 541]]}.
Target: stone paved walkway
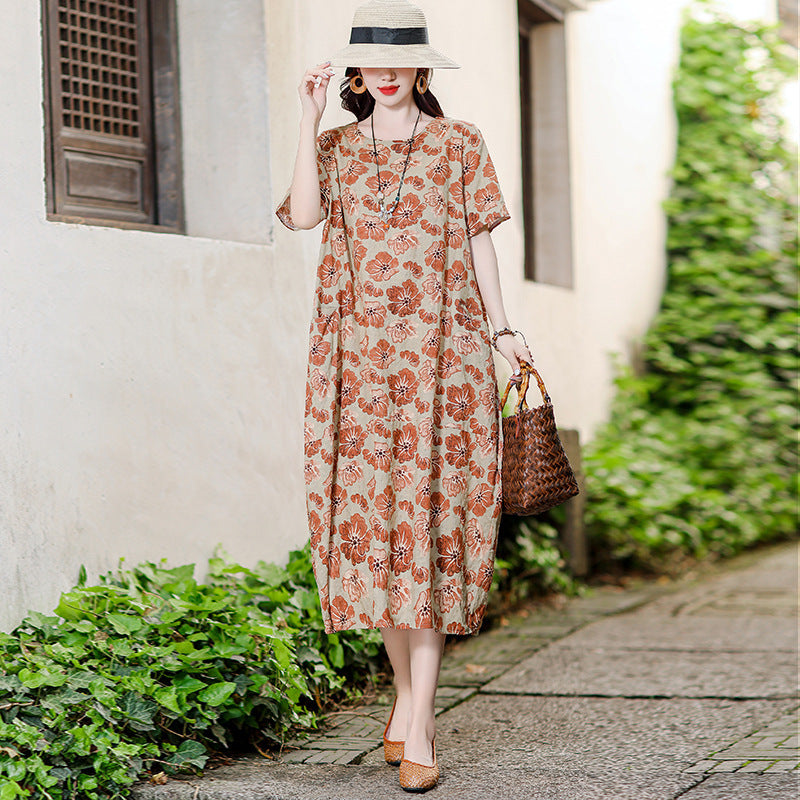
{"points": [[686, 690], [775, 747], [469, 664]]}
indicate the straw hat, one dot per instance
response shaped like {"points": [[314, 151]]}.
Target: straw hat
{"points": [[390, 33]]}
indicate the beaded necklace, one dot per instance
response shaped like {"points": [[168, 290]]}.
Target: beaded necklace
{"points": [[385, 212]]}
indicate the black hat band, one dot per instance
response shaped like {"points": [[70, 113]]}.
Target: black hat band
{"points": [[370, 35]]}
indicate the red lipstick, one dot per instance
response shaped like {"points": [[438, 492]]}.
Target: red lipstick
{"points": [[388, 89]]}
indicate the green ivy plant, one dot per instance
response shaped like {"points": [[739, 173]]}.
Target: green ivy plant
{"points": [[150, 671], [699, 456], [530, 561]]}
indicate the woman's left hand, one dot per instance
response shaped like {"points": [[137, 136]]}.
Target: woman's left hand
{"points": [[513, 350]]}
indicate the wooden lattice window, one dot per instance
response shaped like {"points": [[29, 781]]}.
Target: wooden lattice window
{"points": [[109, 64]]}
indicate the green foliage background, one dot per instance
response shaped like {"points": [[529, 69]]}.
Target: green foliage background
{"points": [[150, 669], [699, 457]]}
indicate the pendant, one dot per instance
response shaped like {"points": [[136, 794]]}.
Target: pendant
{"points": [[384, 213]]}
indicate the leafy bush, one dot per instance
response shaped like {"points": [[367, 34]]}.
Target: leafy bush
{"points": [[699, 457], [530, 560], [151, 669]]}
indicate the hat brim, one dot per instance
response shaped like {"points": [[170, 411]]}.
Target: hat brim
{"points": [[383, 55]]}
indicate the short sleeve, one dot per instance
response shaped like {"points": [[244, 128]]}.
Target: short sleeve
{"points": [[325, 165], [485, 207]]}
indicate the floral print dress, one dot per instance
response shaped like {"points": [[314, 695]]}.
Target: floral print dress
{"points": [[403, 439]]}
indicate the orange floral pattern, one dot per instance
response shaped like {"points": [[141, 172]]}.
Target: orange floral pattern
{"points": [[403, 441]]}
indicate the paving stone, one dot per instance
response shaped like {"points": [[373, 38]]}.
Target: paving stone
{"points": [[563, 669], [344, 743], [341, 756], [356, 723], [738, 786], [448, 696], [347, 757], [364, 726], [748, 752], [318, 757], [299, 742], [554, 630], [665, 632], [726, 766], [767, 588], [547, 622], [351, 727], [504, 650], [756, 752], [702, 766], [789, 723], [454, 692], [295, 756], [788, 726], [613, 600], [470, 674], [783, 766], [769, 742], [756, 766]]}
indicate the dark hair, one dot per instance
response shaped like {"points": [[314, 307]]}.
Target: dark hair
{"points": [[362, 104]]}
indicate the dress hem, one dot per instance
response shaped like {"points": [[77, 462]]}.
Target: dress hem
{"points": [[465, 631]]}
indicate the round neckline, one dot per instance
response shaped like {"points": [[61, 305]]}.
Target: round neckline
{"points": [[368, 136]]}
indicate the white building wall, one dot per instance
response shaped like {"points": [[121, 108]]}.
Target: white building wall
{"points": [[151, 385]]}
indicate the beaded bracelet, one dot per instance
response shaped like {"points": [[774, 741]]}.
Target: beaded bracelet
{"points": [[502, 332]]}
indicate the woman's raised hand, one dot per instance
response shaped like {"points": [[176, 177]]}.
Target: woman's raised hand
{"points": [[313, 90]]}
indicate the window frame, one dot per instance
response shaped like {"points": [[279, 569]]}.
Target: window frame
{"points": [[159, 81], [547, 226]]}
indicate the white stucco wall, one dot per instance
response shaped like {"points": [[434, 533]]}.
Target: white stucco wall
{"points": [[151, 385]]}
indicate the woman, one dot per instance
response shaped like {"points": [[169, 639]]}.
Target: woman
{"points": [[402, 433]]}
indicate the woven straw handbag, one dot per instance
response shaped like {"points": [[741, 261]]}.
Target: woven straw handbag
{"points": [[536, 474]]}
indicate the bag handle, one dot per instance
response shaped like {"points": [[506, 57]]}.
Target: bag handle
{"points": [[521, 384]]}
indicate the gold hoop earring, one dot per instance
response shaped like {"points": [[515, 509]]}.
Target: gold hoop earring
{"points": [[422, 82], [357, 85]]}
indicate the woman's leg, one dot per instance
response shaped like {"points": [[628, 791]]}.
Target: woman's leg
{"points": [[396, 641], [426, 648]]}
